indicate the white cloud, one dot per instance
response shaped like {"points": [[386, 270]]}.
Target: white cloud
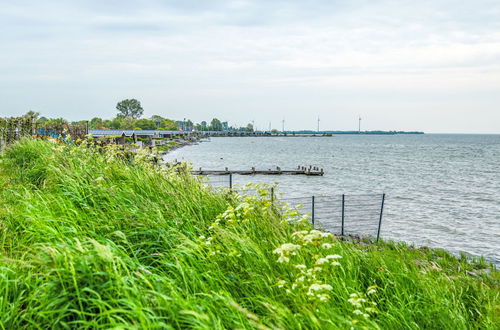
{"points": [[267, 58]]}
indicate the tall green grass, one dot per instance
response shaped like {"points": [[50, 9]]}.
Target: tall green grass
{"points": [[92, 240]]}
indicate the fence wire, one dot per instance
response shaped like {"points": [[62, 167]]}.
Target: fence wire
{"points": [[354, 215], [357, 215], [217, 181]]}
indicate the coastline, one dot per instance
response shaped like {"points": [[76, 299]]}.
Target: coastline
{"points": [[170, 236], [444, 217]]}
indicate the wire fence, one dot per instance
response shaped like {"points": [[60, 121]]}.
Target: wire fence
{"points": [[357, 215], [345, 215]]}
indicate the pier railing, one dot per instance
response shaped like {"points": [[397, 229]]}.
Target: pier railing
{"points": [[357, 215]]}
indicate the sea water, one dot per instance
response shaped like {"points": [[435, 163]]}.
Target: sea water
{"points": [[441, 190]]}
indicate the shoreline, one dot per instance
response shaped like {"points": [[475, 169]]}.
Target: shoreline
{"points": [[173, 238], [207, 157]]}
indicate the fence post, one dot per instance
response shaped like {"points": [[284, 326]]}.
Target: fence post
{"points": [[312, 211], [231, 181], [343, 215], [272, 195], [380, 219]]}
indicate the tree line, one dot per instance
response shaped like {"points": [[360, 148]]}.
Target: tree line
{"points": [[129, 116]]}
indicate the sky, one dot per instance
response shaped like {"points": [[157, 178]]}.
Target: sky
{"points": [[430, 66]]}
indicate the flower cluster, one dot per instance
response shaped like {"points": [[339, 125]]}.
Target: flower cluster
{"points": [[206, 244], [329, 260], [285, 251], [308, 278], [205, 240], [362, 305], [311, 237], [320, 291], [233, 215], [145, 157]]}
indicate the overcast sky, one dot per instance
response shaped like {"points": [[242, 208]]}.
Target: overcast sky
{"points": [[400, 65]]}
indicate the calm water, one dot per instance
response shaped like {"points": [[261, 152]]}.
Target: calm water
{"points": [[442, 190]]}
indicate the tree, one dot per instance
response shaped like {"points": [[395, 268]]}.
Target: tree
{"points": [[145, 124], [32, 114], [249, 128], [57, 121], [157, 120], [202, 126], [216, 125], [79, 122], [129, 108], [95, 123], [169, 125], [116, 123], [128, 123], [106, 123]]}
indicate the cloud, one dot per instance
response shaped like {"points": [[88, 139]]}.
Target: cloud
{"points": [[263, 53]]}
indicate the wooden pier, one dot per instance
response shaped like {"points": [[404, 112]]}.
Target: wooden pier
{"points": [[301, 170]]}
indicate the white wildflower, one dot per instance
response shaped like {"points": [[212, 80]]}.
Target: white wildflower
{"points": [[318, 291], [281, 283], [285, 251], [371, 290], [321, 261], [355, 302], [320, 287], [323, 297], [333, 256]]}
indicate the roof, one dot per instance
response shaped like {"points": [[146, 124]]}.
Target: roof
{"points": [[106, 132]]}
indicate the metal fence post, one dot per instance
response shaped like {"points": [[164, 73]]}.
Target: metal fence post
{"points": [[380, 219], [343, 215], [312, 211], [231, 181]]}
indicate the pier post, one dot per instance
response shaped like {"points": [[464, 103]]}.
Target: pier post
{"points": [[343, 215], [380, 219]]}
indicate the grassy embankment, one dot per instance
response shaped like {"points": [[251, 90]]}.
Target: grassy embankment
{"points": [[89, 240], [167, 147]]}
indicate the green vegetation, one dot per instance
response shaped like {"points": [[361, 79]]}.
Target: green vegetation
{"points": [[130, 123], [166, 147], [129, 116], [129, 108], [92, 240]]}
